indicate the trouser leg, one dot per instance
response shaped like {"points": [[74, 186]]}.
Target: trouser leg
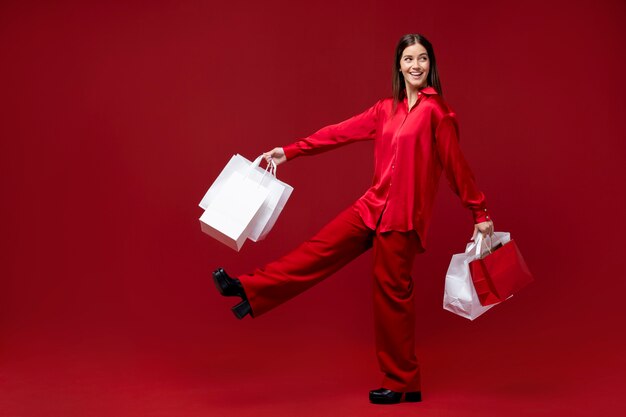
{"points": [[394, 309], [336, 244]]}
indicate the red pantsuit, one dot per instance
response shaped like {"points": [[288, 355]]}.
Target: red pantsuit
{"points": [[412, 148], [336, 244]]}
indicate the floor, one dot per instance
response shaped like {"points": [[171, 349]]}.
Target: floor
{"points": [[327, 375]]}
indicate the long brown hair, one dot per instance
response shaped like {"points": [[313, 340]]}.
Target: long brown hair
{"points": [[397, 81]]}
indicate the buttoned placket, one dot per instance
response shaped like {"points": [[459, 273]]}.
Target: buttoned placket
{"points": [[395, 137], [394, 145]]}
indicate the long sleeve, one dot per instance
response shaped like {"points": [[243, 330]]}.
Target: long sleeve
{"points": [[457, 170], [359, 127]]}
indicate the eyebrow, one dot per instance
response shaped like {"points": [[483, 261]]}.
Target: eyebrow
{"points": [[423, 53]]}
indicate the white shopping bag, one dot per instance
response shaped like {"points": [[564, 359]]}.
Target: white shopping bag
{"points": [[459, 294], [233, 202], [279, 193]]}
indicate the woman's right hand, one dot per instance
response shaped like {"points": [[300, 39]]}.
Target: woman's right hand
{"points": [[277, 155]]}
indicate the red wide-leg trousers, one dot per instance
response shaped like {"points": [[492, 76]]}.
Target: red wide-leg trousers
{"points": [[336, 244]]}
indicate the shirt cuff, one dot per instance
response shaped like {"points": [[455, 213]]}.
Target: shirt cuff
{"points": [[481, 215], [291, 151]]}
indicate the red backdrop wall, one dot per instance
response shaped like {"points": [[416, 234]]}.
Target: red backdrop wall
{"points": [[117, 116]]}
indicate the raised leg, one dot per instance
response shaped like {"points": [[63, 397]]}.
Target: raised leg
{"points": [[336, 244]]}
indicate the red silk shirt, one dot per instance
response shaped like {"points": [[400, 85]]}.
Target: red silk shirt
{"points": [[411, 149]]}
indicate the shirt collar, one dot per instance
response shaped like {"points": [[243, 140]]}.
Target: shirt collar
{"points": [[426, 90]]}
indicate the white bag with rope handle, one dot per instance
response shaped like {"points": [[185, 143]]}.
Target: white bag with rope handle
{"points": [[262, 220], [279, 193], [459, 294], [233, 202]]}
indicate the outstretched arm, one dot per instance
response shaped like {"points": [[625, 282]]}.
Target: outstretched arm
{"points": [[359, 127], [459, 175]]}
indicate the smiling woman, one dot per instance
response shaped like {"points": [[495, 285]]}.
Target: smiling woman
{"points": [[415, 135], [414, 56], [415, 66]]}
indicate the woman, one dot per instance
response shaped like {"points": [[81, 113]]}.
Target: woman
{"points": [[416, 138]]}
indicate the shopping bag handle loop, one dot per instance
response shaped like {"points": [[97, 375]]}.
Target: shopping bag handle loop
{"points": [[271, 168], [479, 242]]}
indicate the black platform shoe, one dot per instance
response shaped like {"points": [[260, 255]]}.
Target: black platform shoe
{"points": [[226, 285], [387, 396], [230, 287]]}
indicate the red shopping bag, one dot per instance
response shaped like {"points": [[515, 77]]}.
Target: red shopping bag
{"points": [[500, 274]]}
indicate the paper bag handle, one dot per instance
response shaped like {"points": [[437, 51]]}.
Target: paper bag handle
{"points": [[479, 242], [257, 162], [271, 168]]}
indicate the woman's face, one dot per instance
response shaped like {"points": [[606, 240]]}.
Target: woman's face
{"points": [[415, 64]]}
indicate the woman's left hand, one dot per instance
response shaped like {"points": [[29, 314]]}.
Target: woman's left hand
{"points": [[486, 228]]}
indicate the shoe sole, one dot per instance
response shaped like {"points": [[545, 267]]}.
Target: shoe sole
{"points": [[217, 275]]}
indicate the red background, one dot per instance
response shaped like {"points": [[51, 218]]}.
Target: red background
{"points": [[116, 117]]}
